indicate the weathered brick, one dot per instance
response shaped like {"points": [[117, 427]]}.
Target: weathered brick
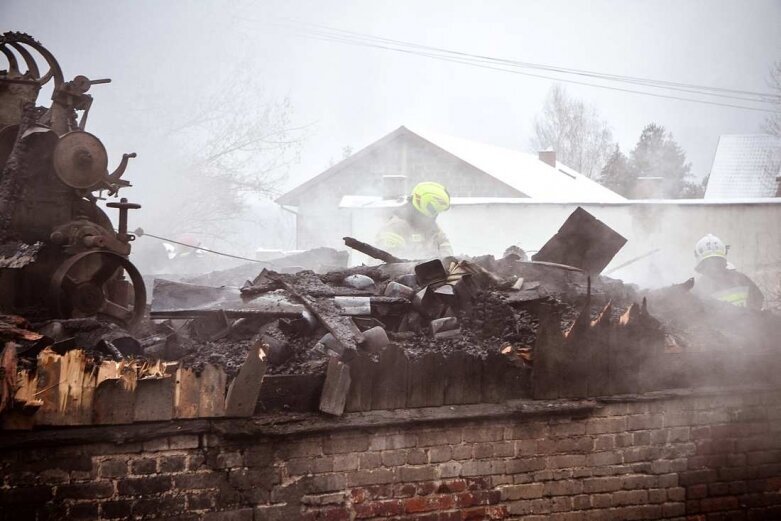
{"points": [[427, 504], [482, 467], [395, 441], [644, 422], [515, 492], [517, 466], [438, 437], [113, 468], [143, 466], [697, 476], [194, 481], [449, 469], [568, 428], [330, 482], [673, 509], [606, 425], [482, 433], [393, 458], [526, 431], [121, 509], [606, 484], [416, 473], [566, 461], [175, 463], [151, 506], [440, 454], [90, 490], [203, 500], [370, 477], [83, 511], [630, 497], [417, 457], [244, 514], [183, 441], [581, 502], [525, 448], [568, 487], [339, 444], [344, 462], [599, 459]]}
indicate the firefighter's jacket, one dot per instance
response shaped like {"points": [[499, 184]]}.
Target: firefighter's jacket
{"points": [[730, 286], [410, 235]]}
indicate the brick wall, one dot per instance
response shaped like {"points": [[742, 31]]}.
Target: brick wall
{"points": [[700, 458]]}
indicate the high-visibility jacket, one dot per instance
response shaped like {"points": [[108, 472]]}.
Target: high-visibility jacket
{"points": [[732, 287], [410, 236]]}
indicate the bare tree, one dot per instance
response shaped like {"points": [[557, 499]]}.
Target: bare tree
{"points": [[575, 131], [772, 123], [226, 147]]}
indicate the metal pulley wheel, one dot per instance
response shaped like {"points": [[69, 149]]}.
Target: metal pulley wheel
{"points": [[87, 285], [80, 160]]}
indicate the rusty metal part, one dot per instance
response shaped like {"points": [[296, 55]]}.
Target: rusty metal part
{"points": [[80, 160], [123, 207], [82, 235], [82, 286]]}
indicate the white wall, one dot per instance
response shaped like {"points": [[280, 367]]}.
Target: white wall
{"points": [[751, 229]]}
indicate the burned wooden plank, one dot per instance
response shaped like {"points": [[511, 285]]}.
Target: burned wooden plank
{"points": [[584, 242], [187, 393], [547, 354], [502, 380], [325, 310], [599, 342], [114, 402], [244, 390], [181, 300], [337, 384], [7, 376], [390, 381], [362, 374], [48, 369], [426, 381], [464, 379], [212, 392], [291, 392], [371, 251], [154, 399]]}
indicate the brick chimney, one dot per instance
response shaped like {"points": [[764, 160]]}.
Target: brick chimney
{"points": [[547, 157]]}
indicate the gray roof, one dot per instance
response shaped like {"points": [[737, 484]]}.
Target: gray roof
{"points": [[745, 165]]}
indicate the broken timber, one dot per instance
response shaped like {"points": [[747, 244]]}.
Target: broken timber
{"points": [[372, 251]]}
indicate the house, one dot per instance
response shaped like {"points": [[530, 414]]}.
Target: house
{"points": [[392, 165], [745, 166]]}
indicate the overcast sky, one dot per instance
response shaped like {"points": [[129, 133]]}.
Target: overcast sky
{"points": [[351, 96]]}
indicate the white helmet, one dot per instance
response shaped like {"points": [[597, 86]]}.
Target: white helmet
{"points": [[709, 246]]}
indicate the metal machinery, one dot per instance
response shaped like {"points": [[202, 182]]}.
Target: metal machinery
{"points": [[60, 256]]}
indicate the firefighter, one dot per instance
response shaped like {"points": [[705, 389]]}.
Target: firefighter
{"points": [[412, 231], [719, 280]]}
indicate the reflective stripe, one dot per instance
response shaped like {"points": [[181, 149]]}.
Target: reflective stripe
{"points": [[737, 296], [391, 240]]}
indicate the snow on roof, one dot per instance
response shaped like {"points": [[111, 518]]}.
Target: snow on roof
{"points": [[354, 202], [745, 166], [524, 171]]}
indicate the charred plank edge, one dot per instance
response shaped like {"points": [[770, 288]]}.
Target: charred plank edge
{"points": [[372, 251]]}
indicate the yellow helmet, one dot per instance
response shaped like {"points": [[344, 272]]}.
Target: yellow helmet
{"points": [[430, 198]]}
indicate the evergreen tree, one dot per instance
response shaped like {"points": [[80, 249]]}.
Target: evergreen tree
{"points": [[658, 155], [617, 173]]}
